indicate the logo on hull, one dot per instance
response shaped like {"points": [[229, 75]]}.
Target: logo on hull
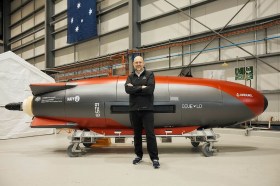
{"points": [[97, 110], [192, 106], [37, 99], [73, 98], [243, 95]]}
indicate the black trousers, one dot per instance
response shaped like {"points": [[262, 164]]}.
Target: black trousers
{"points": [[140, 120]]}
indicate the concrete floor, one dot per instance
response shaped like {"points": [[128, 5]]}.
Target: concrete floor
{"points": [[42, 161]]}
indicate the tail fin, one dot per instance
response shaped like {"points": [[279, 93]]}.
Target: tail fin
{"points": [[50, 123], [38, 89]]}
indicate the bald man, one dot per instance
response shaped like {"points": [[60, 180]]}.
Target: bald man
{"points": [[140, 85]]}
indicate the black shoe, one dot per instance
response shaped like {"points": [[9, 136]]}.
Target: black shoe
{"points": [[137, 160], [156, 164]]}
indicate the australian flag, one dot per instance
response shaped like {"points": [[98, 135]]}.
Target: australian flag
{"points": [[81, 15]]}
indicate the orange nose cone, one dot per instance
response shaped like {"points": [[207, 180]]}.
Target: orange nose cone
{"points": [[254, 100]]}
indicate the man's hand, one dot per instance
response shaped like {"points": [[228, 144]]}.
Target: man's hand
{"points": [[129, 84]]}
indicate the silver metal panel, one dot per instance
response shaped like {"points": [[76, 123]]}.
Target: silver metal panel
{"points": [[121, 94], [197, 104], [234, 111], [161, 92], [195, 93], [203, 113]]}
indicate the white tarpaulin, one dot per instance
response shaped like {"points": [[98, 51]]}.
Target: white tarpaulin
{"points": [[15, 77]]}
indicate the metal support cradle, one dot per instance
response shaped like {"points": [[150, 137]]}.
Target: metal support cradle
{"points": [[87, 138]]}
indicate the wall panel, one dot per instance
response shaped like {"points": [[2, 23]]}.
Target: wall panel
{"points": [[39, 4], [248, 12], [176, 59], [40, 17], [199, 14], [268, 7], [87, 50], [114, 42], [39, 47], [18, 52], [216, 14], [15, 4], [107, 3], [27, 9], [163, 29], [60, 24], [261, 46], [40, 62], [40, 33], [15, 16], [233, 51], [206, 56], [60, 39], [27, 39], [114, 20], [24, 1], [28, 52], [27, 24], [150, 8], [31, 61], [16, 31], [157, 59], [186, 52], [268, 78], [65, 56], [60, 6], [15, 44], [273, 45]]}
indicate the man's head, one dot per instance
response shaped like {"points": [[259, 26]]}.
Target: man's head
{"points": [[138, 63]]}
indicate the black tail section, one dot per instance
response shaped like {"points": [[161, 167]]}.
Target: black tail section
{"points": [[14, 106], [38, 89]]}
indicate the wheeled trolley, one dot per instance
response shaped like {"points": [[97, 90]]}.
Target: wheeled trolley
{"points": [[87, 138], [206, 136]]}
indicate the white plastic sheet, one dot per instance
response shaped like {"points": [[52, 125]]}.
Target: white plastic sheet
{"points": [[15, 77]]}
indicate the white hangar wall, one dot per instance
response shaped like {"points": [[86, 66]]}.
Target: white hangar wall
{"points": [[64, 53], [31, 47], [269, 82], [100, 46], [214, 14], [159, 24]]}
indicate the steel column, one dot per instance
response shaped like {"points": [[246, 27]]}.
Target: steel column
{"points": [[49, 40], [134, 28], [6, 25]]}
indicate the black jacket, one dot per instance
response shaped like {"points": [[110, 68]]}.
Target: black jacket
{"points": [[141, 99]]}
